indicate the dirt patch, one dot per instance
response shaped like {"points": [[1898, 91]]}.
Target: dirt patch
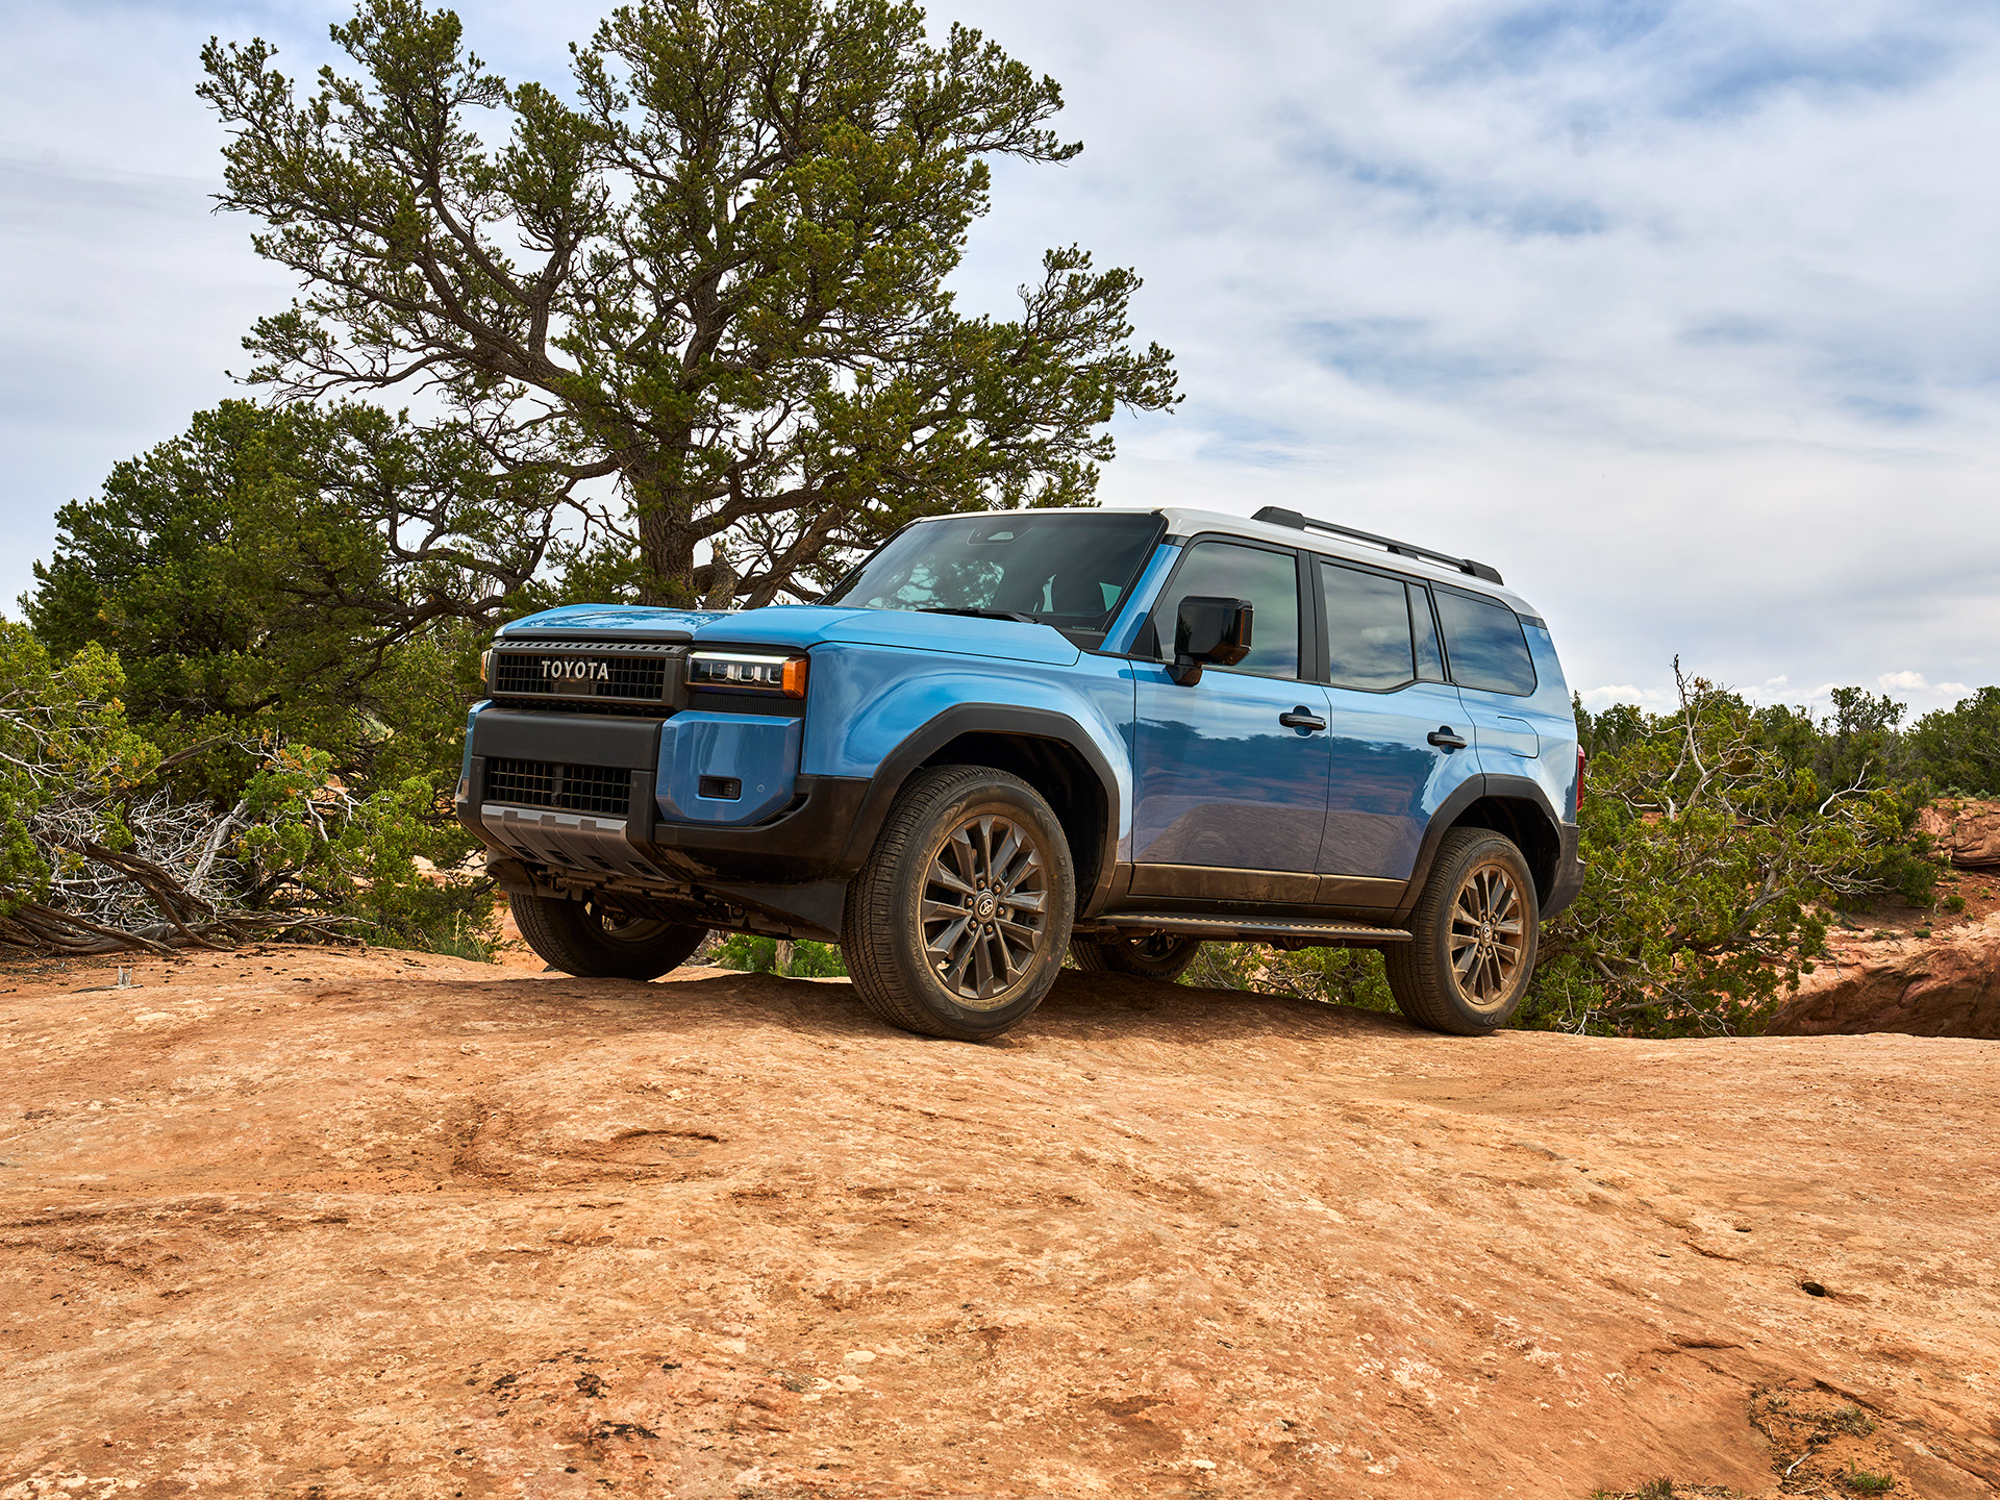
{"points": [[334, 1224]]}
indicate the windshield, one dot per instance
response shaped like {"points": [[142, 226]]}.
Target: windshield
{"points": [[1069, 571]]}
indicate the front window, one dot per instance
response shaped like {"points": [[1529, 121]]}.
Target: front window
{"points": [[1268, 579], [1069, 571]]}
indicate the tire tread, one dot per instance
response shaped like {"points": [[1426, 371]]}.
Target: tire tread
{"points": [[1415, 980], [869, 929], [563, 936]]}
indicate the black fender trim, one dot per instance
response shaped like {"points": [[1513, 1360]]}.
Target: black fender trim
{"points": [[986, 718], [1568, 874]]}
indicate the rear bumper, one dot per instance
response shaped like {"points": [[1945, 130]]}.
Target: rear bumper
{"points": [[1569, 874]]}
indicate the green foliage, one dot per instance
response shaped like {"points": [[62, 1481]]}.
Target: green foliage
{"points": [[63, 735], [715, 272], [85, 805], [1958, 748], [1714, 848], [258, 576], [461, 937], [1860, 1481], [764, 955], [1335, 976]]}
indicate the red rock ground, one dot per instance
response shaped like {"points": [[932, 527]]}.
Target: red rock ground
{"points": [[330, 1223]]}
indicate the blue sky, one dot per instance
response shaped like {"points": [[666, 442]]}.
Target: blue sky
{"points": [[1686, 315]]}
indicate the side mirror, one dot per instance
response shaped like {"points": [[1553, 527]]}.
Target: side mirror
{"points": [[1210, 630]]}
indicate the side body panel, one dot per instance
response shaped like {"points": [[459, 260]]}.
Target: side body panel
{"points": [[1531, 737], [1387, 780], [1221, 783]]}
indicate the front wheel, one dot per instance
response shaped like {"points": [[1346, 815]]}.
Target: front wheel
{"points": [[1161, 956], [1474, 935], [957, 924], [594, 941]]}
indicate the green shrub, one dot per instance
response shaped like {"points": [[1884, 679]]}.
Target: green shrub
{"points": [[98, 847], [1335, 976], [1714, 854], [762, 955]]}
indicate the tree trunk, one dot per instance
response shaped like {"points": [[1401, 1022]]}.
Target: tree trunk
{"points": [[667, 539]]}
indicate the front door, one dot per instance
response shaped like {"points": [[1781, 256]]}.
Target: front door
{"points": [[1393, 722], [1230, 800]]}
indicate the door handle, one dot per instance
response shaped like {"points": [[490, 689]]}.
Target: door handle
{"points": [[1302, 718], [1445, 738]]}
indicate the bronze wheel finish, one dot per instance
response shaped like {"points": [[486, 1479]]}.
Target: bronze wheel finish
{"points": [[1488, 934], [984, 907]]}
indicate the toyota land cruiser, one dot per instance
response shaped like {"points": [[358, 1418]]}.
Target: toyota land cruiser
{"points": [[1005, 737]]}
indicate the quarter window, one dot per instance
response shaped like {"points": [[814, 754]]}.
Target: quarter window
{"points": [[1269, 580], [1487, 648], [1367, 629], [1430, 662]]}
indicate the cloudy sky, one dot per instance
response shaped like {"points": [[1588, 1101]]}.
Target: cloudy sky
{"points": [[1685, 315]]}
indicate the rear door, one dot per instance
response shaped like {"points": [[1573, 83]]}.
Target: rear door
{"points": [[1489, 660], [1230, 800], [1394, 718]]}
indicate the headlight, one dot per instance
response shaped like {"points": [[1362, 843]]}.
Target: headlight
{"points": [[785, 675]]}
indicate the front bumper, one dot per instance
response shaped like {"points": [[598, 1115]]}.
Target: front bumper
{"points": [[791, 866]]}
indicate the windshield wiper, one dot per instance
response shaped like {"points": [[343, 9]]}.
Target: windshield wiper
{"points": [[983, 614]]}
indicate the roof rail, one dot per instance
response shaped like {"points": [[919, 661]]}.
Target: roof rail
{"points": [[1274, 515]]}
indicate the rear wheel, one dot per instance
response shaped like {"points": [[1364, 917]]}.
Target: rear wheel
{"points": [[957, 924], [1160, 956], [595, 941], [1474, 936]]}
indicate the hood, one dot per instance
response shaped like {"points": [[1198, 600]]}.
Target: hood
{"points": [[803, 626]]}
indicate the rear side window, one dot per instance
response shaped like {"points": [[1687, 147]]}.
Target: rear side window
{"points": [[1484, 639], [1367, 629]]}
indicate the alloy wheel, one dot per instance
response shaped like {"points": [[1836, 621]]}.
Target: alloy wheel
{"points": [[984, 907], [1487, 934]]}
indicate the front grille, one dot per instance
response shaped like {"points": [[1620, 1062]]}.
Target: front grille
{"points": [[541, 783], [528, 672]]}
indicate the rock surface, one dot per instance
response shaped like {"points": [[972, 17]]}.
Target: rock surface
{"points": [[371, 1225], [1967, 832], [1944, 985]]}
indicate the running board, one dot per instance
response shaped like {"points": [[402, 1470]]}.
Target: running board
{"points": [[1251, 927]]}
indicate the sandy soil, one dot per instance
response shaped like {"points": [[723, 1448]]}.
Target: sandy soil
{"points": [[340, 1224]]}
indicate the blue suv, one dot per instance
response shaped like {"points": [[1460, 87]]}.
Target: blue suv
{"points": [[1007, 737]]}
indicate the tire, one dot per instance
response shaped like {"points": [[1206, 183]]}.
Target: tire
{"points": [[1161, 956], [971, 840], [1474, 937], [592, 942]]}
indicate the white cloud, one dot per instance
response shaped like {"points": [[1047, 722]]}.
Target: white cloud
{"points": [[1901, 682]]}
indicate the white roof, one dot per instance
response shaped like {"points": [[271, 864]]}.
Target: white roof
{"points": [[1183, 521]]}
